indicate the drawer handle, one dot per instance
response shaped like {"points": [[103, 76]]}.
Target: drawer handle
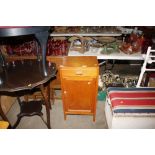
{"points": [[79, 73], [89, 83]]}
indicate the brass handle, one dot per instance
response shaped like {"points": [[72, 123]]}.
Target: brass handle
{"points": [[89, 82]]}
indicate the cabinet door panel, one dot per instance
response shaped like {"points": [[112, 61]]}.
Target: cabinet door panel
{"points": [[79, 93]]}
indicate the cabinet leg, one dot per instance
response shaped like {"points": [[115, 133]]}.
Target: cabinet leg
{"points": [[94, 118], [65, 116]]}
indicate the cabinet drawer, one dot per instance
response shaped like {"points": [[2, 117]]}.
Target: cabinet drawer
{"points": [[79, 72]]}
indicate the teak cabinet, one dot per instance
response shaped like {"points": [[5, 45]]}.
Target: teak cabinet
{"points": [[79, 84]]}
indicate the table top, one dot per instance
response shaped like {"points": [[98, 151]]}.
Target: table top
{"points": [[10, 31], [24, 75]]}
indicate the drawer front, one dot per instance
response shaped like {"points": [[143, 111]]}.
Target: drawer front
{"points": [[79, 72]]}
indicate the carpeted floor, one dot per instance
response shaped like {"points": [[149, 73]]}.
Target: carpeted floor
{"points": [[57, 119]]}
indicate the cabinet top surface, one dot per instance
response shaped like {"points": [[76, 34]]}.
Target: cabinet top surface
{"points": [[88, 61]]}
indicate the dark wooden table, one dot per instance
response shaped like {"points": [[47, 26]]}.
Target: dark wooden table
{"points": [[40, 32], [20, 77]]}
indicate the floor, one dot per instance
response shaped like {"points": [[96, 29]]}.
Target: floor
{"points": [[57, 119], [73, 121]]}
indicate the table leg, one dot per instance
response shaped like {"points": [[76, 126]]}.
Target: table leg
{"points": [[17, 122], [42, 38], [49, 95], [2, 113], [47, 90], [46, 105], [18, 117], [52, 95]]}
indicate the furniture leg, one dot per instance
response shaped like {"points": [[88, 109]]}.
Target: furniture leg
{"points": [[48, 95], [18, 117], [46, 105], [42, 38], [94, 118], [65, 116], [53, 95], [19, 102], [17, 122]]}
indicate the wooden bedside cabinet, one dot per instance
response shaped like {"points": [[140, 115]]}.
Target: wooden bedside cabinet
{"points": [[79, 84]]}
